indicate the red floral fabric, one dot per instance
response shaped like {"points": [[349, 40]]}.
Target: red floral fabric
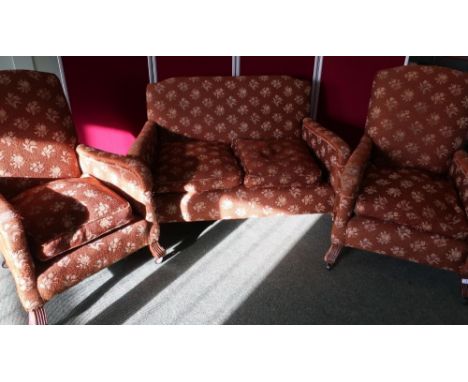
{"points": [[350, 184], [332, 151], [225, 108], [68, 270], [406, 243], [196, 166], [65, 214], [418, 116], [145, 145], [276, 163], [459, 173], [130, 177], [14, 248], [413, 198], [37, 136], [242, 203]]}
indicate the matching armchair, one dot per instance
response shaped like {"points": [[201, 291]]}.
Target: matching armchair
{"points": [[66, 211], [404, 190]]}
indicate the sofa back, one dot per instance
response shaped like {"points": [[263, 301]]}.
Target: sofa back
{"points": [[225, 108], [37, 135], [418, 116]]}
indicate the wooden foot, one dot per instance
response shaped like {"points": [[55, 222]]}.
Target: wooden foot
{"points": [[38, 317], [332, 254], [158, 252], [464, 288]]}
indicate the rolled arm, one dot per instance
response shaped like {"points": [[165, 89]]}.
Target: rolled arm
{"points": [[351, 179], [15, 250], [459, 173], [144, 147], [331, 150], [128, 175]]}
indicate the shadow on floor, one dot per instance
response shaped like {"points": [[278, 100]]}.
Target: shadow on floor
{"points": [[149, 288], [363, 288], [177, 236]]}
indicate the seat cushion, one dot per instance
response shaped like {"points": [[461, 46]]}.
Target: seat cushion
{"points": [[68, 213], [196, 166], [414, 198], [275, 163]]}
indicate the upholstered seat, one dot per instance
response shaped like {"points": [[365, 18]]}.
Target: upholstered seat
{"points": [[413, 198], [67, 213], [196, 166], [276, 163]]}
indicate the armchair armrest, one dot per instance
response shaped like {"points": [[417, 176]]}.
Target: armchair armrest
{"points": [[144, 147], [459, 173], [14, 248], [329, 148], [351, 179], [128, 175]]}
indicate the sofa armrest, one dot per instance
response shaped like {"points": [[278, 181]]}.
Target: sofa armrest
{"points": [[331, 150], [144, 147], [351, 179], [15, 250], [459, 173], [128, 175]]}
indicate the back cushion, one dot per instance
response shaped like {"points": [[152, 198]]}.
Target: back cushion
{"points": [[418, 116], [225, 108], [37, 136]]}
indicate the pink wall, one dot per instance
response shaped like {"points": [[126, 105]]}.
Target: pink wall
{"points": [[345, 91], [180, 66], [300, 67], [107, 94], [107, 97]]}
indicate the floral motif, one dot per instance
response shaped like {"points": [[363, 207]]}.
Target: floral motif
{"points": [[225, 108], [420, 122], [76, 218], [196, 166], [273, 163]]}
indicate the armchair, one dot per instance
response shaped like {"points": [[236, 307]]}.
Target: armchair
{"points": [[403, 189], [66, 211]]}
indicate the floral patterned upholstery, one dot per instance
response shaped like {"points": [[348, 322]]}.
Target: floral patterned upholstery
{"points": [[276, 163], [397, 196], [412, 198], [37, 136], [418, 116], [69, 269], [406, 243], [39, 159], [196, 166], [242, 203], [332, 151], [65, 214], [225, 108]]}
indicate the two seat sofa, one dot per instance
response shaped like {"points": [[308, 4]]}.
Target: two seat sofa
{"points": [[233, 148]]}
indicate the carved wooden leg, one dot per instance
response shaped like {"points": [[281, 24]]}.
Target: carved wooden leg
{"points": [[157, 251], [332, 254], [464, 288], [38, 316]]}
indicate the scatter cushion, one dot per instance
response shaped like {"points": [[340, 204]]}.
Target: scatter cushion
{"points": [[67, 213], [195, 166], [414, 198], [276, 163]]}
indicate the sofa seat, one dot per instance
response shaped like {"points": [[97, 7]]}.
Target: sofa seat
{"points": [[242, 203], [276, 163], [65, 214], [196, 166], [412, 198]]}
